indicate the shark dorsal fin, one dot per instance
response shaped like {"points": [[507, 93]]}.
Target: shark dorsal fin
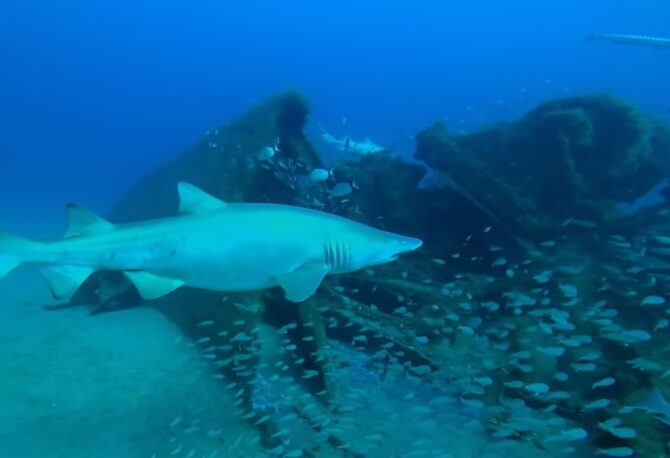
{"points": [[82, 221], [194, 200]]}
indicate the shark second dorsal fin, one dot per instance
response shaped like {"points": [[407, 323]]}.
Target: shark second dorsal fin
{"points": [[194, 200], [82, 221]]}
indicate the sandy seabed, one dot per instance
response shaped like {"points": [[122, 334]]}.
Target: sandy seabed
{"points": [[127, 384], [122, 384]]}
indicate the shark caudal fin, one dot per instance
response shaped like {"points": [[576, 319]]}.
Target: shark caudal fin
{"points": [[12, 249], [63, 281]]}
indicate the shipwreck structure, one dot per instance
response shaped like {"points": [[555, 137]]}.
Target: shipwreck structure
{"points": [[515, 211]]}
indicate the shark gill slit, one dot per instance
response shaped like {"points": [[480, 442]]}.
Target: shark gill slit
{"points": [[337, 255], [329, 254], [326, 255]]}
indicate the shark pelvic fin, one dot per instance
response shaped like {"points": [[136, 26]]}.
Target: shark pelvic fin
{"points": [[194, 200], [302, 282], [64, 281], [152, 286], [82, 221]]}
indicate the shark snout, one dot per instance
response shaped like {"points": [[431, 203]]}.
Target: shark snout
{"points": [[406, 244], [410, 244], [385, 247]]}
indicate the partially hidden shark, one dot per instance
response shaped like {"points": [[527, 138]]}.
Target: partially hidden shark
{"points": [[363, 147], [211, 244]]}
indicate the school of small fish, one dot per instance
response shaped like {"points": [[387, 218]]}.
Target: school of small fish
{"points": [[548, 350]]}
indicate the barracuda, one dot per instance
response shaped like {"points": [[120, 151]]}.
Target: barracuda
{"points": [[644, 40]]}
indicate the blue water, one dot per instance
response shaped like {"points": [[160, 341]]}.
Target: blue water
{"points": [[94, 94]]}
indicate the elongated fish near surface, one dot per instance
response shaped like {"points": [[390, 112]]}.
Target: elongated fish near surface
{"points": [[363, 147], [622, 38], [211, 245]]}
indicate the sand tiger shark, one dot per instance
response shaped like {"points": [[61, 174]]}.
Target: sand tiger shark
{"points": [[362, 147], [210, 244]]}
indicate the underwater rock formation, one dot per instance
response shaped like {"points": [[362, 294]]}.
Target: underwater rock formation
{"points": [[570, 158]]}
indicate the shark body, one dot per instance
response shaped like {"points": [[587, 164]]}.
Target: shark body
{"points": [[363, 147], [212, 245]]}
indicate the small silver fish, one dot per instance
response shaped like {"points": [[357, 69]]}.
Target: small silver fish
{"points": [[597, 404], [266, 153], [623, 433], [644, 364], [318, 175], [568, 435], [607, 381], [536, 388], [616, 451], [653, 300], [499, 262], [552, 351], [663, 323], [560, 376], [584, 367], [341, 189]]}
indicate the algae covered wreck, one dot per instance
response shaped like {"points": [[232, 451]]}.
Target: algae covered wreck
{"points": [[534, 314]]}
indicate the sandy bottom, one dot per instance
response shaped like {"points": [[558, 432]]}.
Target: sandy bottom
{"points": [[112, 385], [126, 384]]}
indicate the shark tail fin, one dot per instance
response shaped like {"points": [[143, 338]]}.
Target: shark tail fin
{"points": [[11, 247], [62, 280]]}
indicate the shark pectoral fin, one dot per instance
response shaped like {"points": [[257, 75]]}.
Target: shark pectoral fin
{"points": [[63, 281], [194, 200], [152, 286], [302, 282], [82, 221]]}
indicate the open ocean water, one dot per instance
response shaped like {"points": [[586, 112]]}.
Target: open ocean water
{"points": [[494, 282]]}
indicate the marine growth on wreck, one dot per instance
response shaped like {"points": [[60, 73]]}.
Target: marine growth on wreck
{"points": [[532, 322]]}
